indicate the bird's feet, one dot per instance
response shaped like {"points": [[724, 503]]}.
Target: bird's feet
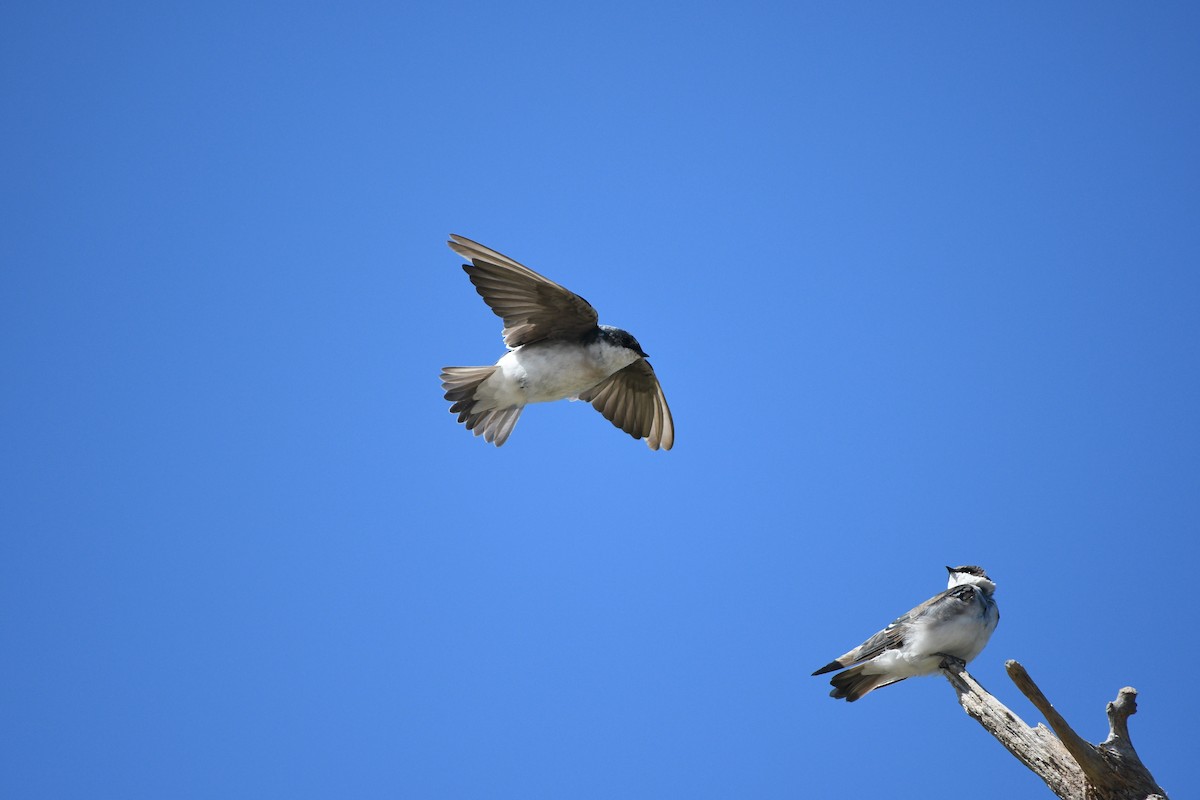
{"points": [[952, 663]]}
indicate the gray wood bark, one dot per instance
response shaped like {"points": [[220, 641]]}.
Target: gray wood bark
{"points": [[1073, 768]]}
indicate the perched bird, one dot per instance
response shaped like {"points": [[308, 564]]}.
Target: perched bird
{"points": [[958, 623], [556, 350]]}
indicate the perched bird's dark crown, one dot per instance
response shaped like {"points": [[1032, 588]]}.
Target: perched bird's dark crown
{"points": [[970, 569]]}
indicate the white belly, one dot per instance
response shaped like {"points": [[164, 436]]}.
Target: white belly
{"points": [[547, 371], [964, 638]]}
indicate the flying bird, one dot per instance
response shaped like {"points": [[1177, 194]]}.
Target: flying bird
{"points": [[556, 350], [958, 623]]}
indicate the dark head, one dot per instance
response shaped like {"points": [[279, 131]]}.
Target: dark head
{"points": [[620, 338], [970, 574]]}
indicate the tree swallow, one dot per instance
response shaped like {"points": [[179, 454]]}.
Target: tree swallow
{"points": [[958, 622], [556, 350]]}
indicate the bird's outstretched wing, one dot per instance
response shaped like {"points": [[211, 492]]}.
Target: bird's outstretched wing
{"points": [[532, 307], [633, 400]]}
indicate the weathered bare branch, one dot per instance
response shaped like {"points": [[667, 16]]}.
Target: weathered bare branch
{"points": [[1082, 751], [1036, 748], [1073, 768], [1117, 750]]}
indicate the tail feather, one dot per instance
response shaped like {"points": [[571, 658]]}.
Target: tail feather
{"points": [[853, 684], [505, 424], [461, 385]]}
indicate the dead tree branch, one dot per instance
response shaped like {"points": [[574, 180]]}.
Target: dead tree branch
{"points": [[1073, 768]]}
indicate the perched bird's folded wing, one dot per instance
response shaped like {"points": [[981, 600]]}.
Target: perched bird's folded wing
{"points": [[633, 400], [532, 307], [890, 638]]}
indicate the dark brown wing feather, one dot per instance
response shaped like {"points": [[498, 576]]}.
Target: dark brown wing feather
{"points": [[633, 400], [532, 307]]}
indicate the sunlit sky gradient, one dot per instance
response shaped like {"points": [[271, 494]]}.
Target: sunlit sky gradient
{"points": [[921, 282]]}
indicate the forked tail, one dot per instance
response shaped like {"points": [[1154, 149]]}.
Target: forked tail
{"points": [[462, 385], [854, 683]]}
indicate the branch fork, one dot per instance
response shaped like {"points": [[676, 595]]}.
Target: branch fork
{"points": [[1072, 767]]}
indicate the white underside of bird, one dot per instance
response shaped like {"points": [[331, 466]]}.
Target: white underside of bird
{"points": [[490, 399], [928, 641], [548, 371]]}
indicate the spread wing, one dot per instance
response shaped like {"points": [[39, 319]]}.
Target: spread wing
{"points": [[532, 307], [891, 637], [633, 400]]}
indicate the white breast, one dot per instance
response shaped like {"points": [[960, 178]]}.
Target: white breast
{"points": [[547, 371]]}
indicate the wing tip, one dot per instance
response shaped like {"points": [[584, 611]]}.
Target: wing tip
{"points": [[830, 667]]}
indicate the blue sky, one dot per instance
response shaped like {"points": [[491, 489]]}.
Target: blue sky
{"points": [[920, 282]]}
